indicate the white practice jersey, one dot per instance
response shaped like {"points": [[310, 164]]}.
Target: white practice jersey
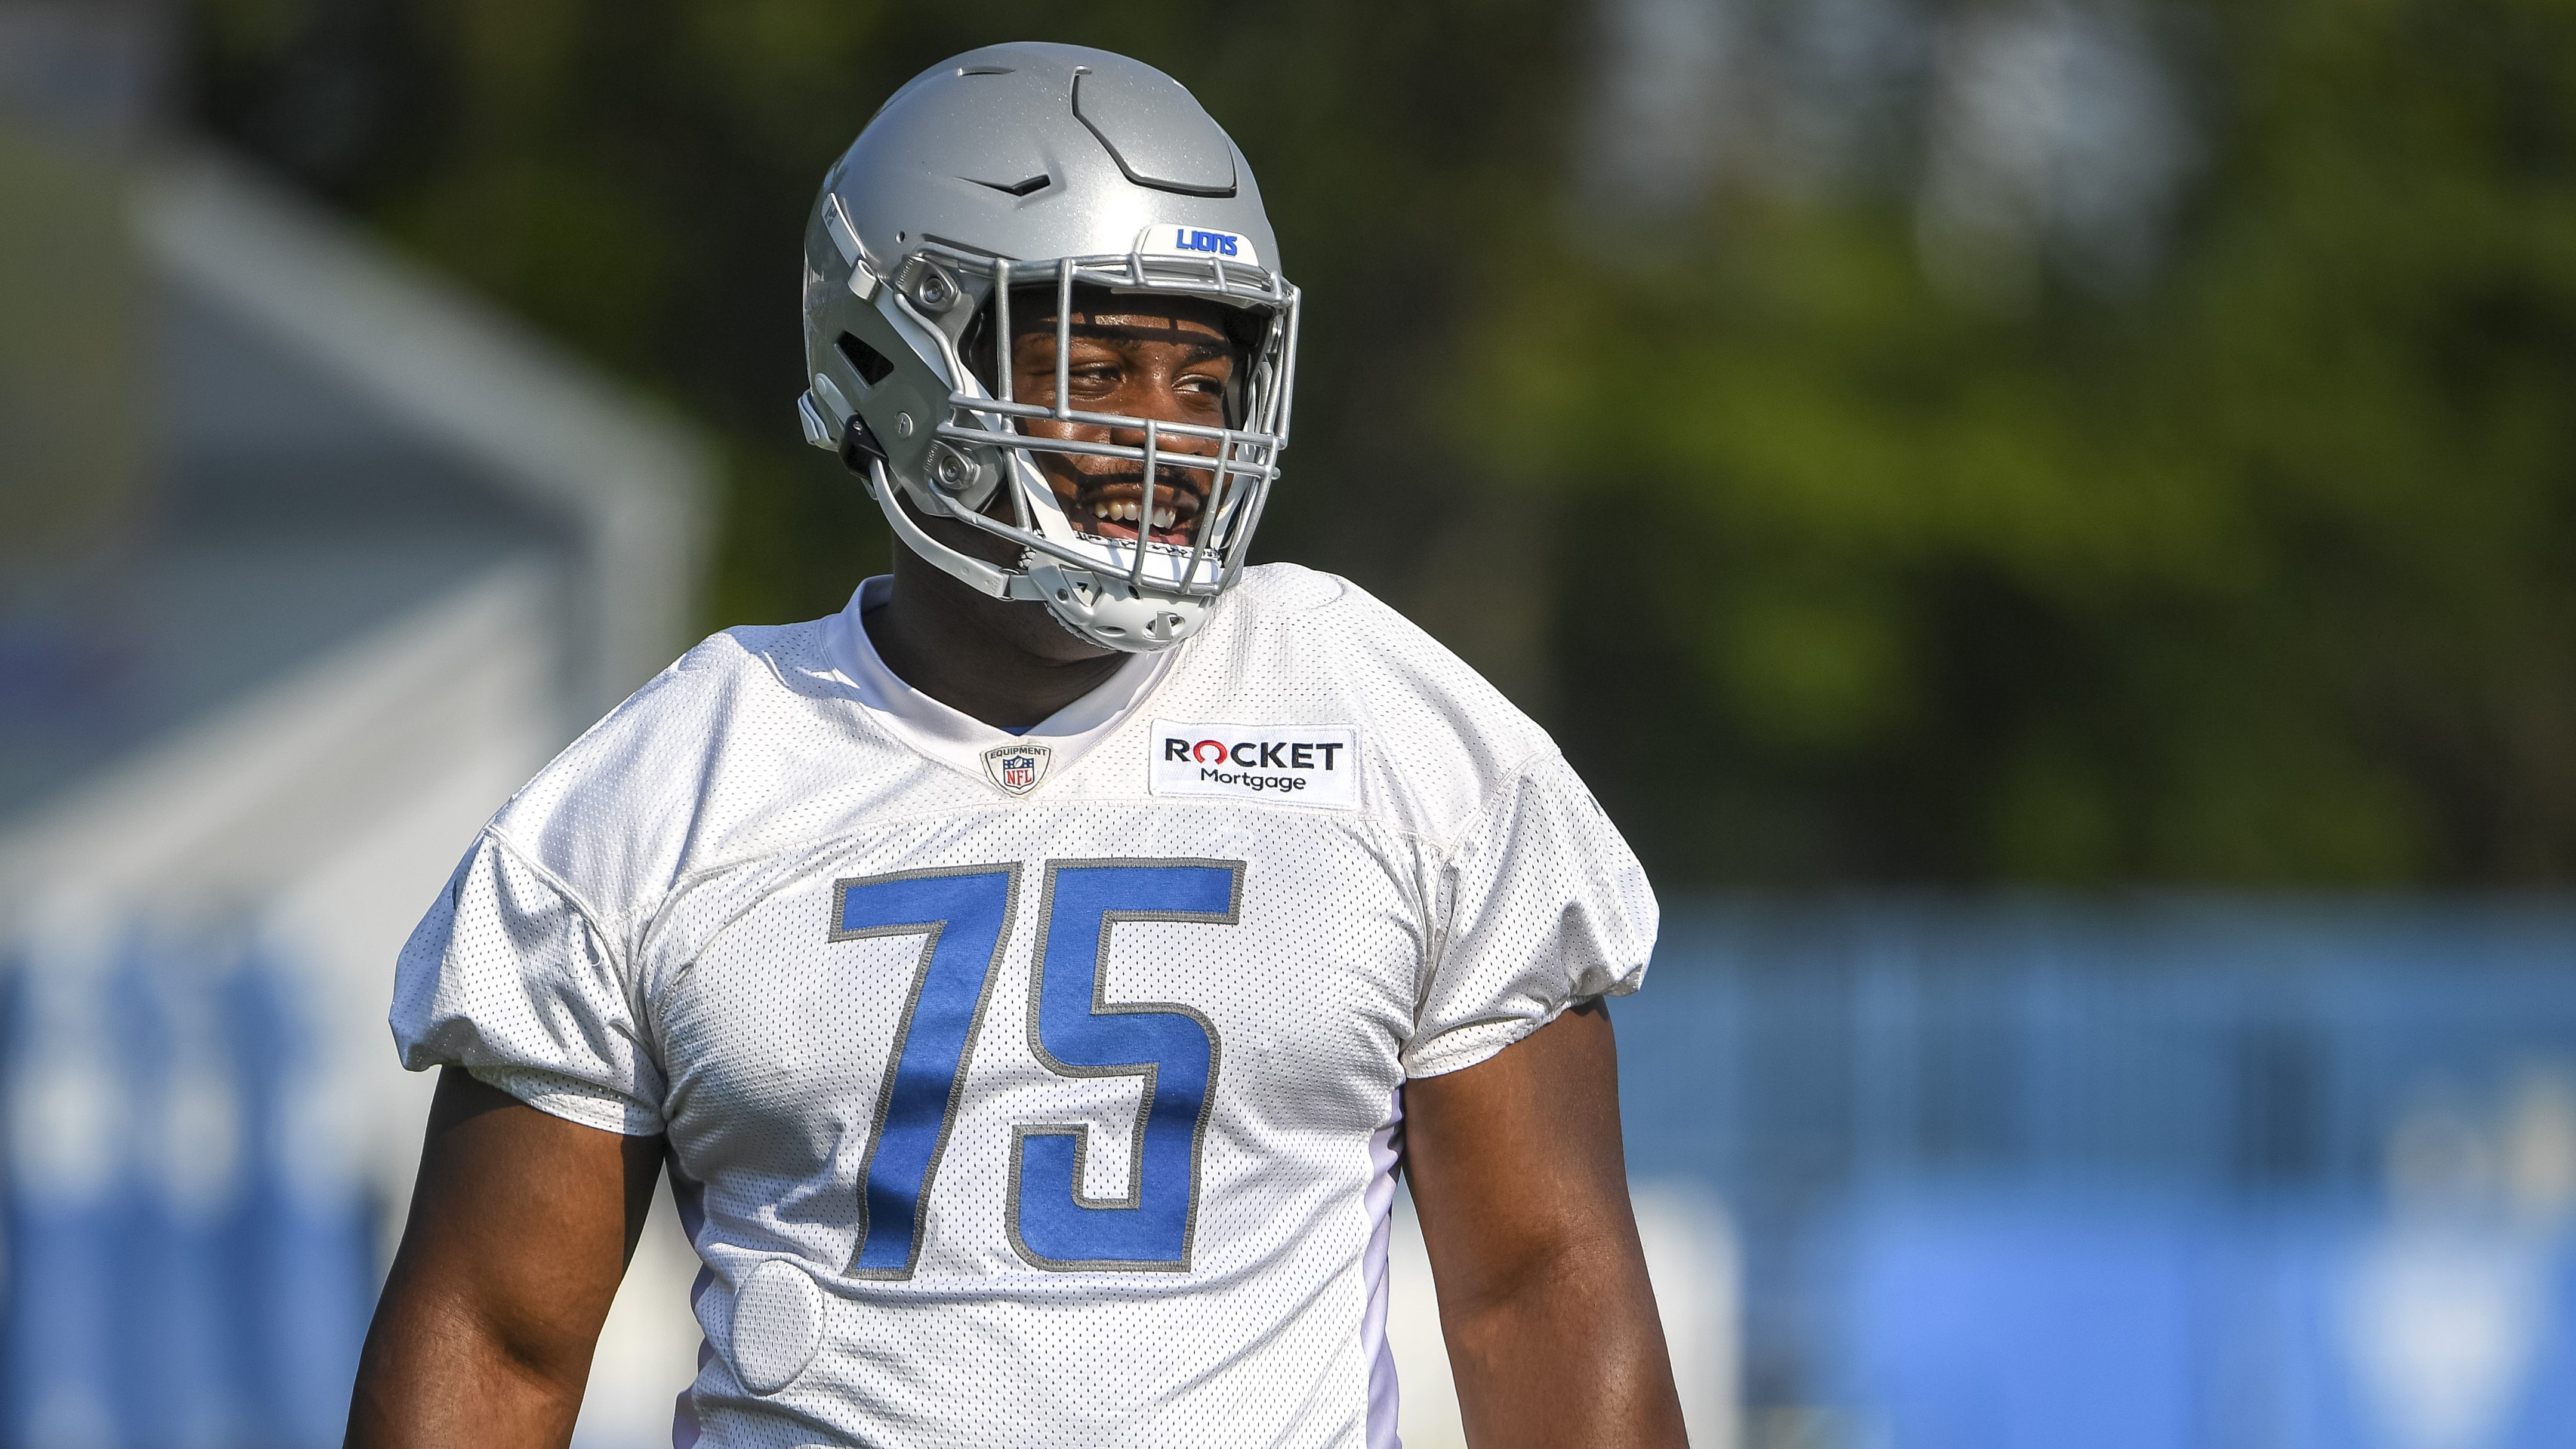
{"points": [[1034, 1089]]}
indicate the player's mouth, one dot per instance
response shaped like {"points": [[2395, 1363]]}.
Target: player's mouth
{"points": [[1115, 510]]}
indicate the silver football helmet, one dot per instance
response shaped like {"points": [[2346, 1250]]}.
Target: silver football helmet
{"points": [[1040, 169]]}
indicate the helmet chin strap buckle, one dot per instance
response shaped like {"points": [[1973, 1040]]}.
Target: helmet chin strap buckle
{"points": [[859, 447]]}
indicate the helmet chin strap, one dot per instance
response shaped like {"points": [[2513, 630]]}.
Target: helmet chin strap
{"points": [[976, 574]]}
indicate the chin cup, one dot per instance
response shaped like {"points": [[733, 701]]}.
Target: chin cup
{"points": [[1108, 611]]}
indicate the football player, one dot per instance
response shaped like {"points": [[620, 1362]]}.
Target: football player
{"points": [[1034, 975]]}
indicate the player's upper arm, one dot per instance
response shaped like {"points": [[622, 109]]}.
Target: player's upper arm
{"points": [[520, 1228], [1518, 1176]]}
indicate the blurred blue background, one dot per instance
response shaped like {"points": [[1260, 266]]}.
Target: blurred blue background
{"points": [[2174, 1171], [191, 1260], [2050, 523], [2171, 1172]]}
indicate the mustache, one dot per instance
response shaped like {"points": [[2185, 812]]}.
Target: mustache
{"points": [[1162, 476]]}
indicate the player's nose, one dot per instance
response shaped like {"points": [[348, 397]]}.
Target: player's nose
{"points": [[1165, 403]]}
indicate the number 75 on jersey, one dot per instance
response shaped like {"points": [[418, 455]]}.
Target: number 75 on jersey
{"points": [[964, 915]]}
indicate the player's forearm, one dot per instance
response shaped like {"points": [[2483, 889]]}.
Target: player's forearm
{"points": [[1569, 1353]]}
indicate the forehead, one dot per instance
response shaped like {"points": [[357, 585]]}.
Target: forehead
{"points": [[1146, 315]]}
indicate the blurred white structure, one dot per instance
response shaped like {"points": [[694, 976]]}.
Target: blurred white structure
{"points": [[395, 553], [2445, 1309], [2028, 135]]}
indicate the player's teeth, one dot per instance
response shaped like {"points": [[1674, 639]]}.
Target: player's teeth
{"points": [[1100, 510], [1162, 518], [1127, 511]]}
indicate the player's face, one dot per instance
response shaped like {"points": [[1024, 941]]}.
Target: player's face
{"points": [[1144, 359]]}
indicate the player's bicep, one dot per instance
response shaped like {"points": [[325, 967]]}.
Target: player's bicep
{"points": [[1515, 1163], [520, 1228], [540, 1213]]}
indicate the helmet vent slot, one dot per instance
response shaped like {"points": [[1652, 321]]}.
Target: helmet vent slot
{"points": [[871, 365], [1028, 187]]}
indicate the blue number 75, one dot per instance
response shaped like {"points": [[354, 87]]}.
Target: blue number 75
{"points": [[965, 913]]}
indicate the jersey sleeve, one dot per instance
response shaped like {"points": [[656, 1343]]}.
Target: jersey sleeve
{"points": [[511, 978], [1542, 905]]}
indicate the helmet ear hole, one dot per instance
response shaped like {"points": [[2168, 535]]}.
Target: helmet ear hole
{"points": [[871, 365]]}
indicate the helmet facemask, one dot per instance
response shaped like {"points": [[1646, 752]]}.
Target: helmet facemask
{"points": [[1112, 582]]}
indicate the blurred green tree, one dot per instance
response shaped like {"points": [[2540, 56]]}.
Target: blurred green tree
{"points": [[634, 177], [2254, 569], [2262, 574]]}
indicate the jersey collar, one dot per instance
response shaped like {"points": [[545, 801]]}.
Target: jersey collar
{"points": [[960, 740]]}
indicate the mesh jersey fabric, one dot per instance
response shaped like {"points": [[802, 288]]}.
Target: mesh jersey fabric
{"points": [[709, 917]]}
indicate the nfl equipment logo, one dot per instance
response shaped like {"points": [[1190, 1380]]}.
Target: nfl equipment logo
{"points": [[1016, 768]]}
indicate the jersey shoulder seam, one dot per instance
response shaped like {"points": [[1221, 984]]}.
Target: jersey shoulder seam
{"points": [[1504, 781], [1344, 590], [572, 896]]}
